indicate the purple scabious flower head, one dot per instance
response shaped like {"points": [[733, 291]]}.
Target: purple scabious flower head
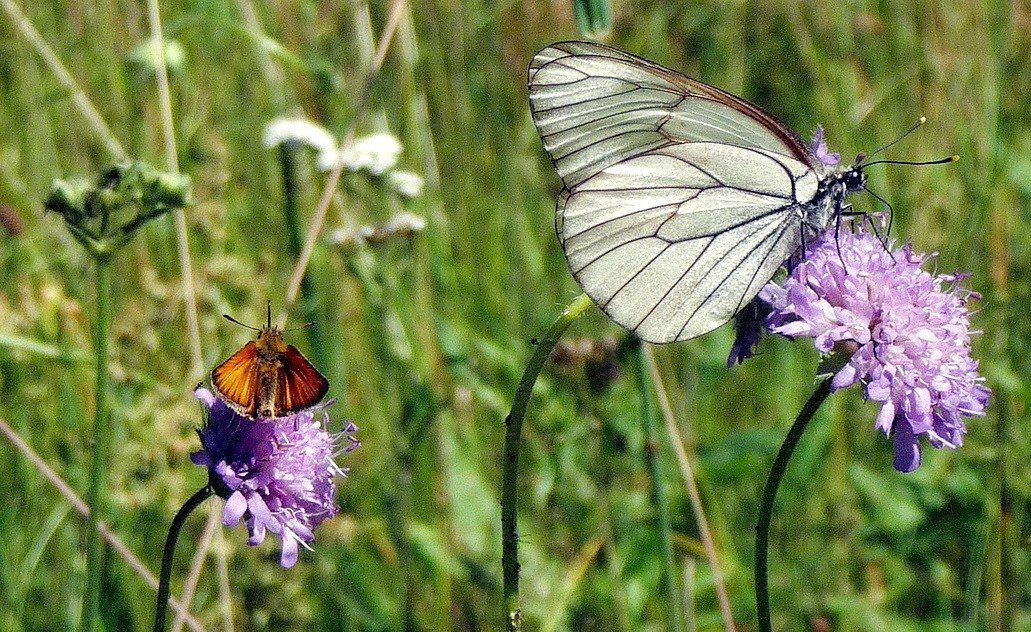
{"points": [[821, 151], [275, 474], [910, 331]]}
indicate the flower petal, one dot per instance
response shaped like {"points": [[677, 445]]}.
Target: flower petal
{"points": [[847, 376], [236, 505], [288, 556], [886, 417], [906, 449], [204, 395]]}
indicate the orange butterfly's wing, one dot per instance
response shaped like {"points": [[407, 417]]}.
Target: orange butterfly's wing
{"points": [[236, 380], [299, 384]]}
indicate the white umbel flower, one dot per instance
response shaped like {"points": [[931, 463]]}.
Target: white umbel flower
{"points": [[298, 131], [377, 153], [403, 223], [406, 183]]}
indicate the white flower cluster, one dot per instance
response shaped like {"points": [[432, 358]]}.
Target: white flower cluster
{"points": [[403, 224], [297, 131], [376, 154], [406, 183]]}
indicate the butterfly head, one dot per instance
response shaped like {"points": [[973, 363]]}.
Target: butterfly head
{"points": [[853, 178], [270, 341], [839, 184]]}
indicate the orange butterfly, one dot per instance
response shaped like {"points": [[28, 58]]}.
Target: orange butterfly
{"points": [[267, 377]]}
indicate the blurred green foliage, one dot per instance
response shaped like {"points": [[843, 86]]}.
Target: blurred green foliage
{"points": [[425, 336]]}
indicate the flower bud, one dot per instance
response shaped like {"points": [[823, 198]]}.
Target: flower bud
{"points": [[68, 198], [105, 213]]}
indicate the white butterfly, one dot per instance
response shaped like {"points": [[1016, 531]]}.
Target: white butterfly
{"points": [[680, 200]]}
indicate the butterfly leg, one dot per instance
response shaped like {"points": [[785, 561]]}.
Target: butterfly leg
{"points": [[848, 211], [837, 242], [891, 216]]}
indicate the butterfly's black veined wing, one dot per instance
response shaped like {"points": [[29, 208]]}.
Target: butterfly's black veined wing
{"points": [[595, 106], [681, 200], [675, 241]]}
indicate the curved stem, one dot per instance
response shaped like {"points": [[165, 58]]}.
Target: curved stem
{"points": [[513, 429], [96, 496], [161, 608], [200, 556], [651, 450], [762, 530]]}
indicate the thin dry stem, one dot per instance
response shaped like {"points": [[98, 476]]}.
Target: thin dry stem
{"points": [[365, 47], [315, 228], [116, 543], [79, 97], [178, 215], [692, 488]]}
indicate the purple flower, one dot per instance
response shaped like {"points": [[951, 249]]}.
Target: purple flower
{"points": [[910, 331], [275, 474], [821, 151]]}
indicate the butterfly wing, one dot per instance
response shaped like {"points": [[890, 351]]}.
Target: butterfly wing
{"points": [[236, 380], [673, 242], [299, 384], [595, 106], [681, 200]]}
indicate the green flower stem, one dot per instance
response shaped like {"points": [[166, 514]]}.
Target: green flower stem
{"points": [[288, 168], [96, 497], [513, 429], [309, 300], [164, 588], [651, 450], [762, 530]]}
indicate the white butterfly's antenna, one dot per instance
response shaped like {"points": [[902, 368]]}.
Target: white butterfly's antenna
{"points": [[912, 128], [861, 159], [940, 161]]}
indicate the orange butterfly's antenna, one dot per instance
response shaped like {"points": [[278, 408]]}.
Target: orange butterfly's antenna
{"points": [[233, 320], [269, 305], [304, 326]]}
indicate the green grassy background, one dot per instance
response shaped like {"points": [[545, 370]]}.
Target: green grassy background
{"points": [[424, 338]]}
